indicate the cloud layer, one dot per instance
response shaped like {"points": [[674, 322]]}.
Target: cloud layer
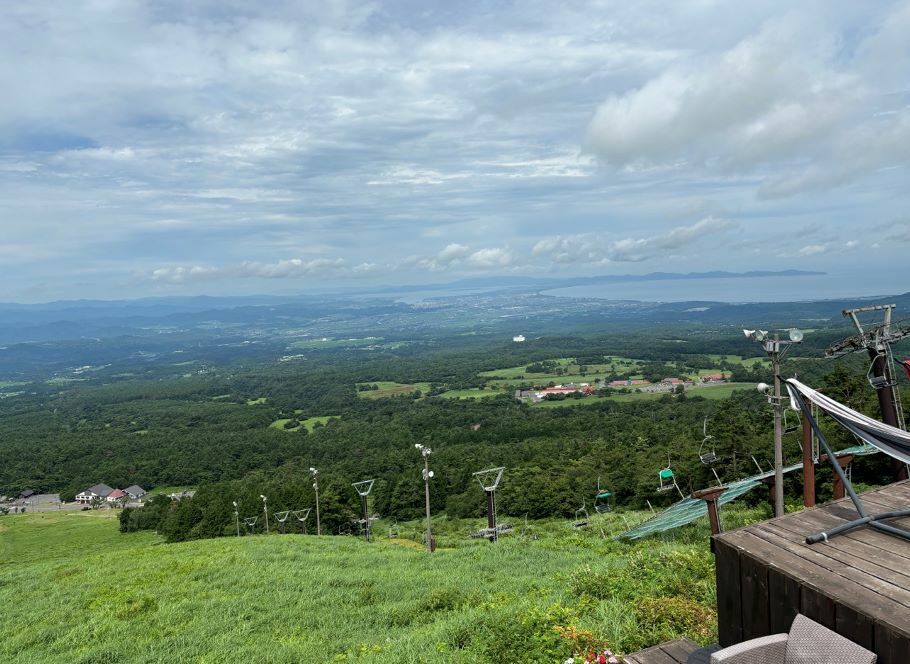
{"points": [[163, 147]]}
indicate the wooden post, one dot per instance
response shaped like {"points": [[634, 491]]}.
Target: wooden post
{"points": [[710, 497], [808, 466], [837, 487]]}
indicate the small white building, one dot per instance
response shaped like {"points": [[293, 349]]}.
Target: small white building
{"points": [[518, 338], [100, 491]]}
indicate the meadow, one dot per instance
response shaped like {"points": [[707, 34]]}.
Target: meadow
{"points": [[75, 590]]}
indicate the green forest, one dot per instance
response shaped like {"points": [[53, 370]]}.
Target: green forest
{"points": [[215, 431]]}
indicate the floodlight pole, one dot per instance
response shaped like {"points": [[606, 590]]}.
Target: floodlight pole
{"points": [[237, 518], [426, 452], [773, 346], [316, 486], [265, 509]]}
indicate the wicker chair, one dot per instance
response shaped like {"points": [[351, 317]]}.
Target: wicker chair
{"points": [[807, 643]]}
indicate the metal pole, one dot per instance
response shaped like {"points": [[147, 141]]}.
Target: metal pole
{"points": [[491, 514], [808, 466], [366, 518], [265, 509], [237, 518], [316, 486], [778, 437], [426, 489]]}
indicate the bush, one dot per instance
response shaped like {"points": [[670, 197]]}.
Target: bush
{"points": [[667, 618]]}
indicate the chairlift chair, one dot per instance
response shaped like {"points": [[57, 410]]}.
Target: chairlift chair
{"points": [[788, 426], [668, 480], [706, 452], [581, 517], [603, 500]]}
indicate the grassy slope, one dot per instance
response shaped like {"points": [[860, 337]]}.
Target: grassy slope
{"points": [[77, 591]]}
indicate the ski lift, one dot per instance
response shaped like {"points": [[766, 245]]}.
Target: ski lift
{"points": [[788, 425], [706, 452], [880, 382], [602, 500], [668, 480], [581, 517], [281, 518], [393, 530]]}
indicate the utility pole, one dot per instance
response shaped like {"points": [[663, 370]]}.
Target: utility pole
{"points": [[427, 474], [773, 346], [237, 518], [316, 486], [265, 509]]}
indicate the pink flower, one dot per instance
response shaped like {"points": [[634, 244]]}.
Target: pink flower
{"points": [[613, 660]]}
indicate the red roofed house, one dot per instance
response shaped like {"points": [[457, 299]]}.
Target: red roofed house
{"points": [[561, 389], [715, 376], [115, 496]]}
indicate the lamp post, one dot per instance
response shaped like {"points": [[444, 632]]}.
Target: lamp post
{"points": [[237, 518], [316, 486], [427, 474], [265, 509], [776, 349]]}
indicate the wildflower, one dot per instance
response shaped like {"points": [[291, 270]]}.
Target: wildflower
{"points": [[571, 660], [612, 660]]}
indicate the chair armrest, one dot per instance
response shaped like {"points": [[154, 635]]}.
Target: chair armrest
{"points": [[763, 650]]}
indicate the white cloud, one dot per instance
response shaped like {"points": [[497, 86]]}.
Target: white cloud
{"points": [[597, 249], [789, 102]]}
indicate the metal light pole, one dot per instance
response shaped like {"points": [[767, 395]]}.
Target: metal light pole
{"points": [[316, 486], [773, 346], [427, 474], [265, 509], [237, 518]]}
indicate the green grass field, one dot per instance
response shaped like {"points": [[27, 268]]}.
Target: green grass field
{"points": [[308, 423], [471, 394], [327, 343], [388, 388], [76, 591]]}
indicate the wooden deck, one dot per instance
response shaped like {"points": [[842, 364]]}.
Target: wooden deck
{"points": [[857, 583], [671, 652]]}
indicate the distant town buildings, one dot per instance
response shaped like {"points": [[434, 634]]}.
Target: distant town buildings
{"points": [[518, 338], [108, 495]]}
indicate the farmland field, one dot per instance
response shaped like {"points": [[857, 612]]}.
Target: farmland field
{"points": [[391, 389], [721, 391], [97, 595]]}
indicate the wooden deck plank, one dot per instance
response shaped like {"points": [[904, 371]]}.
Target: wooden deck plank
{"points": [[653, 655], [857, 583], [844, 557], [823, 558], [729, 599], [680, 649], [819, 580], [897, 567]]}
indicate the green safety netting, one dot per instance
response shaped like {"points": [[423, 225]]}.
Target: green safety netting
{"points": [[688, 510]]}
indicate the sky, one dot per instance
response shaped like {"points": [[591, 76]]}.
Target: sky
{"points": [[169, 147]]}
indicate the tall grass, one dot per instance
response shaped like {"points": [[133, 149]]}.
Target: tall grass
{"points": [[74, 590]]}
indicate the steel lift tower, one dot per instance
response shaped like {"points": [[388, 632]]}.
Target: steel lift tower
{"points": [[876, 339]]}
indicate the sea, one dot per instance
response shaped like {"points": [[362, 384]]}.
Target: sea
{"points": [[828, 286]]}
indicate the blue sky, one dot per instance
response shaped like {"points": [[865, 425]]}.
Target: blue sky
{"points": [[151, 148]]}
